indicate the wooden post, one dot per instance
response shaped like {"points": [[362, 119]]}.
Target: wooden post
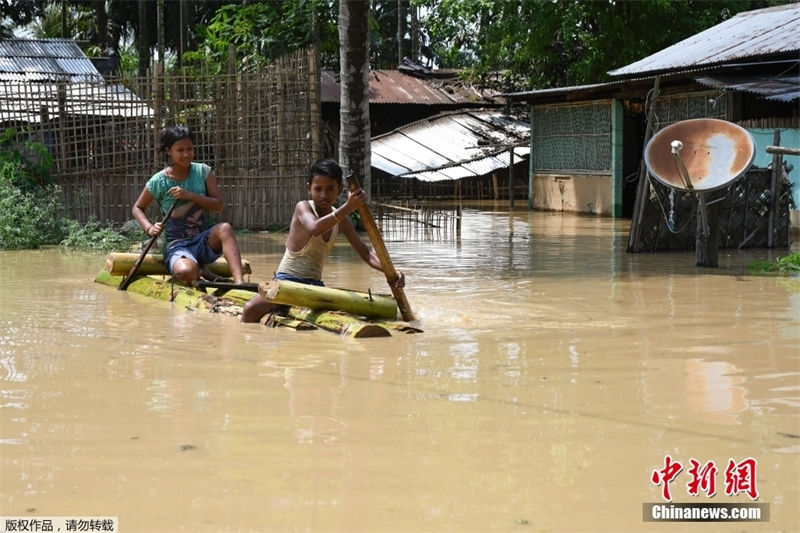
{"points": [[773, 188], [280, 122], [707, 237], [511, 177], [643, 189], [158, 108], [531, 163], [62, 123], [617, 175], [495, 186]]}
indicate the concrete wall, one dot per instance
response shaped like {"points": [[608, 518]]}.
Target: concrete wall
{"points": [[577, 194]]}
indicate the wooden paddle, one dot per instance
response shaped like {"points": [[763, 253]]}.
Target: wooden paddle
{"points": [[382, 253], [127, 281]]}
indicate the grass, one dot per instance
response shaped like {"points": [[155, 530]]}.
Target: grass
{"points": [[786, 266]]}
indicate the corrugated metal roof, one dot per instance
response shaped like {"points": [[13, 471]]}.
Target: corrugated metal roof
{"points": [[451, 146], [44, 60], [82, 99], [784, 88], [394, 87], [30, 69], [758, 33]]}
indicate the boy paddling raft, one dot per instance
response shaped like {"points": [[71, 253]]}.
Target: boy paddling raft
{"points": [[312, 233]]}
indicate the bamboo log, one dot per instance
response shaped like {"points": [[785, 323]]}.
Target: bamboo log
{"points": [[316, 297], [184, 297], [233, 301], [339, 322], [119, 264]]}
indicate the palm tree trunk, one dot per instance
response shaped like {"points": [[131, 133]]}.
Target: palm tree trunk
{"points": [[354, 151], [401, 29], [143, 38], [101, 25]]}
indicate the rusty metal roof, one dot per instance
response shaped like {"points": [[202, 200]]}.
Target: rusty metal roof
{"points": [[395, 87], [452, 145], [773, 31], [44, 60]]}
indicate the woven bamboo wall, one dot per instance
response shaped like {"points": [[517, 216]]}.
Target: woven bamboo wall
{"points": [[572, 137], [258, 131]]}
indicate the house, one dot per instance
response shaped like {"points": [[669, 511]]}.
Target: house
{"points": [[587, 141], [430, 157], [430, 130], [51, 92], [400, 97], [62, 79]]}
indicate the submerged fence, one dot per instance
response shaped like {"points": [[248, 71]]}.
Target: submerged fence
{"points": [[414, 222], [258, 131]]}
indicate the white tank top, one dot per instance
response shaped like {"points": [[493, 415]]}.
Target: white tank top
{"points": [[308, 262]]}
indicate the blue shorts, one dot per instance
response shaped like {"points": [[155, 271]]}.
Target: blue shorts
{"points": [[288, 277], [195, 248]]}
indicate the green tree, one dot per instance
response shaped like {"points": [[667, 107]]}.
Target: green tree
{"points": [[386, 33], [262, 31], [544, 43], [16, 13], [48, 24]]}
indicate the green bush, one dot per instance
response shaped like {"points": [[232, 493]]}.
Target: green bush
{"points": [[786, 265], [31, 160], [96, 236], [29, 217]]}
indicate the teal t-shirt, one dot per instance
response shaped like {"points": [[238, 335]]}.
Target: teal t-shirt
{"points": [[194, 221]]}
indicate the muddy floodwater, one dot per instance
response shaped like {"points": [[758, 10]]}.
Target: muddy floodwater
{"points": [[555, 377]]}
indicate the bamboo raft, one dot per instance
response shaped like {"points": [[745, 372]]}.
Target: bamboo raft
{"points": [[302, 307]]}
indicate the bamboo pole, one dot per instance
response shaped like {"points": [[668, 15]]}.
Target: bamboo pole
{"points": [[383, 254], [118, 263], [135, 268], [316, 297]]}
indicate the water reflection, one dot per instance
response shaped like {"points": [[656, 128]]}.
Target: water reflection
{"points": [[694, 390]]}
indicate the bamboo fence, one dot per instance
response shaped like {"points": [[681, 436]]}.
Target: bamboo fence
{"points": [[259, 131]]}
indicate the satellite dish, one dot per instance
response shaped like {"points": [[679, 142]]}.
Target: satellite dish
{"points": [[702, 154]]}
